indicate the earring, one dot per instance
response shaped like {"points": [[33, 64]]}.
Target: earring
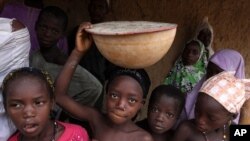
{"points": [[229, 122], [224, 133]]}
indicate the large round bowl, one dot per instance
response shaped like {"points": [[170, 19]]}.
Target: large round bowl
{"points": [[133, 44]]}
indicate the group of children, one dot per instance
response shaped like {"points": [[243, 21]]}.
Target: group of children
{"points": [[29, 94], [29, 97]]}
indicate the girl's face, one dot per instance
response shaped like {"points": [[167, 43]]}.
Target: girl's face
{"points": [[162, 114], [210, 114], [124, 99], [191, 54], [28, 105]]}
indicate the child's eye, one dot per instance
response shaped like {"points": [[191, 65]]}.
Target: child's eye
{"points": [[114, 96], [132, 100], [42, 27], [40, 103], [211, 118], [55, 32], [16, 105], [169, 115], [154, 110]]}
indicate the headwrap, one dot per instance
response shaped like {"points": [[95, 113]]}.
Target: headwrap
{"points": [[206, 25], [227, 60], [186, 77], [140, 75], [230, 60], [229, 91]]}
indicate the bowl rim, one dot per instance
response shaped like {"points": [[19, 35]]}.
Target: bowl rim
{"points": [[165, 26]]}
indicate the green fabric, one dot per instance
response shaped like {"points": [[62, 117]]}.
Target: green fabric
{"points": [[186, 77]]}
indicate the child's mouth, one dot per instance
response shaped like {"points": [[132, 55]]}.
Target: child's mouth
{"points": [[30, 128], [158, 127]]}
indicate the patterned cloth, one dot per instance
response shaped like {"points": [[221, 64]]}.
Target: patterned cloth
{"points": [[226, 59], [229, 91], [14, 52], [186, 77], [71, 132]]}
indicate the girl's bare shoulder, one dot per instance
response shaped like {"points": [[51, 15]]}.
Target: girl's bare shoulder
{"points": [[142, 135], [184, 131]]}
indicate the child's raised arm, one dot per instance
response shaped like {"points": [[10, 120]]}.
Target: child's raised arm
{"points": [[83, 43]]}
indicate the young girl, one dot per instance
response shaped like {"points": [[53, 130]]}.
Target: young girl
{"points": [[223, 60], [189, 68], [165, 105], [125, 94], [28, 100], [220, 100]]}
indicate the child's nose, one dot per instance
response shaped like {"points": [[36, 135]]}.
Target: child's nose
{"points": [[160, 116], [48, 33], [122, 104], [201, 120], [29, 111]]}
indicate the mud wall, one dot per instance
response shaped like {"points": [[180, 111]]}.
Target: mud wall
{"points": [[230, 20]]}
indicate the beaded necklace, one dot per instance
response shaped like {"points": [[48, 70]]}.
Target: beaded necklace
{"points": [[223, 138], [53, 137]]}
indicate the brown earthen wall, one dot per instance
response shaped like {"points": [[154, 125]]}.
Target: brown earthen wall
{"points": [[229, 18]]}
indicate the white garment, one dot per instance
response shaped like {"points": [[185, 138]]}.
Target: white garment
{"points": [[14, 52]]}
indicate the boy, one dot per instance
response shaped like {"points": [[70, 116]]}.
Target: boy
{"points": [[50, 27]]}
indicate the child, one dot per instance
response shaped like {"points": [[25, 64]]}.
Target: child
{"points": [[220, 100], [223, 60], [27, 13], [28, 95], [125, 94], [189, 68], [50, 26], [165, 105]]}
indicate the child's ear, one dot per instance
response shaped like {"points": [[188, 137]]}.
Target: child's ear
{"points": [[143, 102], [52, 104]]}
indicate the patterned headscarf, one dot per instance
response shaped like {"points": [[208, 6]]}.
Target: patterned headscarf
{"points": [[229, 91], [186, 77]]}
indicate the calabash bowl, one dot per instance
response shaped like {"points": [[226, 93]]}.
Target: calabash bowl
{"points": [[133, 44]]}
